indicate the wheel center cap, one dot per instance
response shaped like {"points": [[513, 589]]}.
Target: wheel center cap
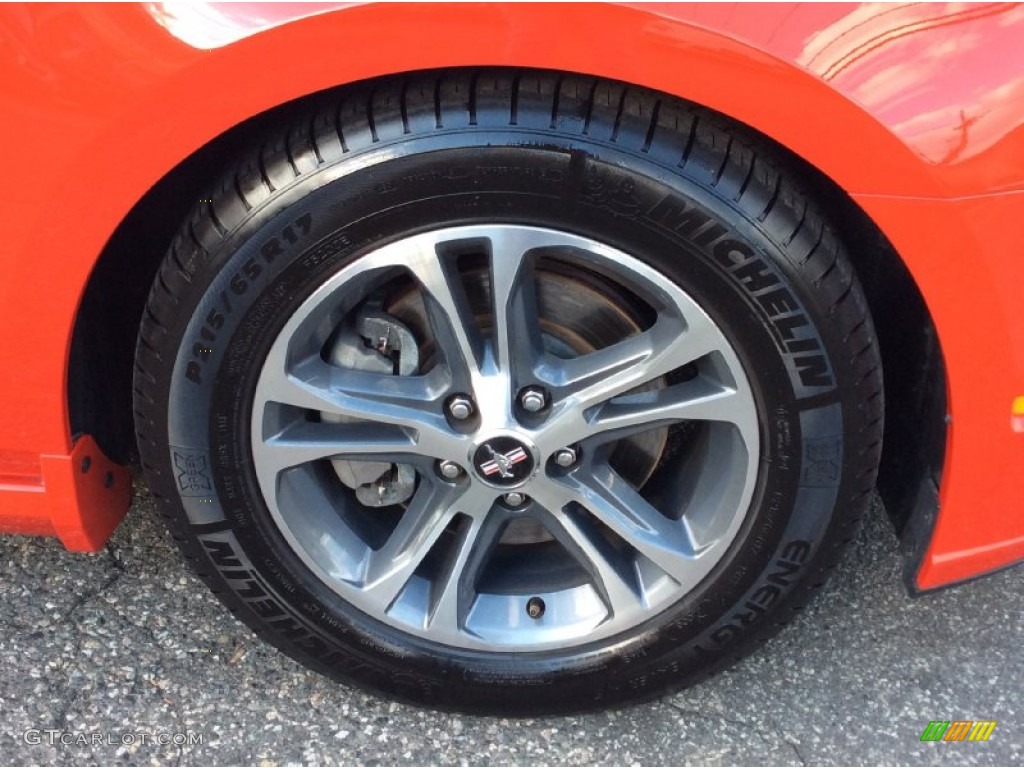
{"points": [[504, 461]]}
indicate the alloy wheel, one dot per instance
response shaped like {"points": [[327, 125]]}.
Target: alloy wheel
{"points": [[455, 458]]}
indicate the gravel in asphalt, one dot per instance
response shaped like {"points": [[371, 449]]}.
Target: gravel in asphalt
{"points": [[127, 641]]}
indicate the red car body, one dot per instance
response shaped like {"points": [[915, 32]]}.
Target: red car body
{"points": [[915, 112]]}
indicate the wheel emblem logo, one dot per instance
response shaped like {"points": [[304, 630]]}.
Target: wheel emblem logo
{"points": [[503, 461]]}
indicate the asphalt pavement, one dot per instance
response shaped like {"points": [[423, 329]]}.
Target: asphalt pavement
{"points": [[102, 657]]}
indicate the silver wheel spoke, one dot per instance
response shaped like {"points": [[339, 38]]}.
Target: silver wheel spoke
{"points": [[389, 568], [665, 542], [450, 315], [516, 330], [614, 579], [306, 442], [589, 386], [592, 379], [453, 591], [401, 401], [697, 400]]}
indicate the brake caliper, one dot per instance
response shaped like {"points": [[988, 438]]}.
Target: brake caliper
{"points": [[376, 343]]}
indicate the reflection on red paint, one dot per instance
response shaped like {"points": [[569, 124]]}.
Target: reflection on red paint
{"points": [[915, 67], [214, 25]]}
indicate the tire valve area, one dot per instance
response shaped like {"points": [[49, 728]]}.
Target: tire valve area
{"points": [[535, 608]]}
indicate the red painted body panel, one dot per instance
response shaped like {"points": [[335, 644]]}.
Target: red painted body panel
{"points": [[915, 110]]}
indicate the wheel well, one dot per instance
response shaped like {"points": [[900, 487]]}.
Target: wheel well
{"points": [[103, 341], [914, 372], [107, 323]]}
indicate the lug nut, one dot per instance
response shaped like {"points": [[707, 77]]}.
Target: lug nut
{"points": [[449, 469], [566, 457], [533, 399], [514, 499], [460, 407]]}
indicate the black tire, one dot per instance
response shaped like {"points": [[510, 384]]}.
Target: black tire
{"points": [[699, 198]]}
